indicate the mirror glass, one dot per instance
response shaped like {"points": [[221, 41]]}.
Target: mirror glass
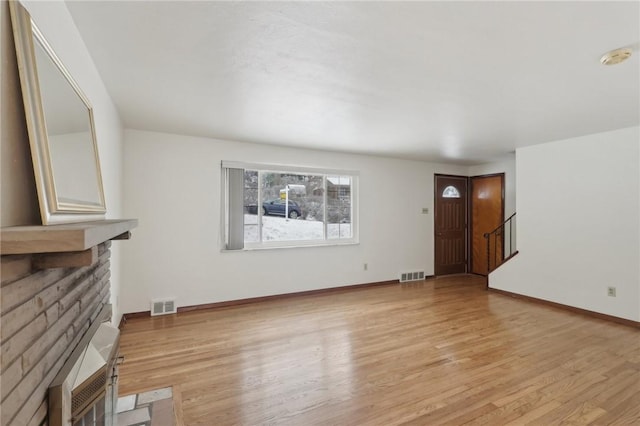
{"points": [[68, 125], [61, 129]]}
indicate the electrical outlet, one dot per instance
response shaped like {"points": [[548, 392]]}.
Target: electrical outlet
{"points": [[425, 210], [611, 291], [366, 266]]}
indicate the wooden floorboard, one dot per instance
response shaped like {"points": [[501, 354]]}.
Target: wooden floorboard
{"points": [[442, 351]]}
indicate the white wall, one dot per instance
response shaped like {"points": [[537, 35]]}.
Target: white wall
{"points": [[173, 188], [578, 230], [56, 23]]}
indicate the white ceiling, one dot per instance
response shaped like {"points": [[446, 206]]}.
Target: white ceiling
{"points": [[460, 82]]}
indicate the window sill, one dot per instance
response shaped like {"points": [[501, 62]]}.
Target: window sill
{"points": [[291, 245]]}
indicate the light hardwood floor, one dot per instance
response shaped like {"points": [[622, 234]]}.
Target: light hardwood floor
{"points": [[443, 351]]}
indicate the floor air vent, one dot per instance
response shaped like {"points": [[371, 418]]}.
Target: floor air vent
{"points": [[163, 307], [411, 276]]}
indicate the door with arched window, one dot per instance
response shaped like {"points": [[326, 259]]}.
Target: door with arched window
{"points": [[450, 225]]}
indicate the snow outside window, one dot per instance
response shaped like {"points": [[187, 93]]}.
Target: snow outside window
{"points": [[284, 208]]}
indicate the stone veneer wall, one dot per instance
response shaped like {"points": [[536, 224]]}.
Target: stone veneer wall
{"points": [[44, 313]]}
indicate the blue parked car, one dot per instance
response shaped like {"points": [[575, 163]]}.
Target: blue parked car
{"points": [[277, 208]]}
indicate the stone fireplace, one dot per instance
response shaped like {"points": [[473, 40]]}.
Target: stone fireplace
{"points": [[54, 289]]}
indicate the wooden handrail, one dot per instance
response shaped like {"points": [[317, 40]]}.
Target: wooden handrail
{"points": [[500, 226], [499, 231]]}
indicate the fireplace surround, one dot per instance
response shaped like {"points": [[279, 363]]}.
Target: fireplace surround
{"points": [[85, 391], [55, 287]]}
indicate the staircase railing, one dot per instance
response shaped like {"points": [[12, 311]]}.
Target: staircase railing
{"points": [[501, 243]]}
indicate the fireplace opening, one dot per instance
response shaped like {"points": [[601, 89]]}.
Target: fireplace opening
{"points": [[85, 391]]}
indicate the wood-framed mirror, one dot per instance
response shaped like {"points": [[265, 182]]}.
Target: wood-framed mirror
{"points": [[61, 129]]}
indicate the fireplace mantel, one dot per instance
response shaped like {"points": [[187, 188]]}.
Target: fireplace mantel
{"points": [[65, 245]]}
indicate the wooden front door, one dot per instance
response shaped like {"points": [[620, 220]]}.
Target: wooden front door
{"points": [[450, 225], [487, 213]]}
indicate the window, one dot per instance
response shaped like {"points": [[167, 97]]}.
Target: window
{"points": [[450, 192], [277, 206]]}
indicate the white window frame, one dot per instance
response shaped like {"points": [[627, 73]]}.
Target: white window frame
{"points": [[278, 168]]}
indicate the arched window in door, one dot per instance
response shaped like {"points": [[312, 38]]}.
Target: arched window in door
{"points": [[450, 192]]}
